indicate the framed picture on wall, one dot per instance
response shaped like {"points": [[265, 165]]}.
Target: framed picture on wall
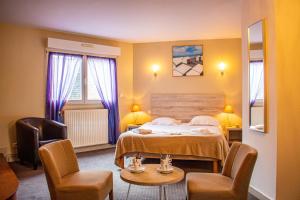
{"points": [[187, 60]]}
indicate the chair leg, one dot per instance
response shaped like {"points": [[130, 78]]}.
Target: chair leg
{"points": [[111, 195], [35, 165], [215, 166]]}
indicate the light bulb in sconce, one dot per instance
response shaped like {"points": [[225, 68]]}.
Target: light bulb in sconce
{"points": [[155, 69], [222, 66]]}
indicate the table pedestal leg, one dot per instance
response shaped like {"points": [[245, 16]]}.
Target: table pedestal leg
{"points": [[165, 192], [162, 192], [128, 191]]}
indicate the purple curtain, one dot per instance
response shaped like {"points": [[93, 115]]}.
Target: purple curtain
{"points": [[104, 74], [256, 70], [62, 71]]}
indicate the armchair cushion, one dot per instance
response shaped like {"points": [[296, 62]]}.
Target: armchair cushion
{"points": [[86, 184], [53, 129], [211, 187]]}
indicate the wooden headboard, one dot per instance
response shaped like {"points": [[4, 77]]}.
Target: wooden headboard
{"points": [[185, 106]]}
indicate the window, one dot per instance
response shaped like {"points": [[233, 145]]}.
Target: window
{"points": [[92, 93], [256, 83], [76, 93], [84, 89], [79, 79]]}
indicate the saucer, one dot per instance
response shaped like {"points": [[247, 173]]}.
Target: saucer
{"points": [[168, 171], [136, 170]]}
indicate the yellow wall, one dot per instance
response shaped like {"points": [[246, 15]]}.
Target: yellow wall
{"points": [[288, 83], [214, 51], [23, 74], [264, 174]]}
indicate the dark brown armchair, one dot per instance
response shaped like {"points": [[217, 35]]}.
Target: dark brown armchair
{"points": [[34, 132]]}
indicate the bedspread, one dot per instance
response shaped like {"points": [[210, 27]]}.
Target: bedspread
{"points": [[206, 146]]}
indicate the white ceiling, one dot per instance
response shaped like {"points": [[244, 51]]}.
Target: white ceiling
{"points": [[130, 20]]}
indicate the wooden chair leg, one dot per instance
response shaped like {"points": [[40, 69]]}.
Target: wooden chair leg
{"points": [[111, 195], [215, 166], [122, 161]]}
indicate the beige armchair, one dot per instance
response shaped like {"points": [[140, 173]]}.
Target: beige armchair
{"points": [[231, 184], [66, 181]]}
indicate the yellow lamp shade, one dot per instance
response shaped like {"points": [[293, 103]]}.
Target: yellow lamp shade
{"points": [[135, 108], [228, 109]]}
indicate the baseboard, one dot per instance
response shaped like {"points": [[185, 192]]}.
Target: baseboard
{"points": [[93, 148], [258, 194], [9, 157], [13, 157]]}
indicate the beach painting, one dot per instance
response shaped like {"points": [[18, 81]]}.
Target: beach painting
{"points": [[188, 60]]}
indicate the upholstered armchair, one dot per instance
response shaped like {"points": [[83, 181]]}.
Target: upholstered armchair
{"points": [[34, 132], [231, 184], [66, 181]]}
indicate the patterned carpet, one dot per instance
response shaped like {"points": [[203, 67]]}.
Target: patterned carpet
{"points": [[33, 184]]}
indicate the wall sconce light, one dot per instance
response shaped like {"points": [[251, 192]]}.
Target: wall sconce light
{"points": [[222, 66], [155, 69]]}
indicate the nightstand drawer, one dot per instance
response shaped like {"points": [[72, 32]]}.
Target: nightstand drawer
{"points": [[234, 135]]}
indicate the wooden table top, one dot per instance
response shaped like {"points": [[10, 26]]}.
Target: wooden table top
{"points": [[8, 180], [151, 177]]}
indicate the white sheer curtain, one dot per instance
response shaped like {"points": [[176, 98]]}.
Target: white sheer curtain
{"points": [[104, 76], [62, 70], [256, 81]]}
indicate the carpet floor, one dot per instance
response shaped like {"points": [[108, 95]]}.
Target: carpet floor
{"points": [[33, 185]]}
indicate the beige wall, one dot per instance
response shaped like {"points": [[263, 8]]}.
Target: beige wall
{"points": [[23, 75], [214, 51], [288, 82], [264, 175]]}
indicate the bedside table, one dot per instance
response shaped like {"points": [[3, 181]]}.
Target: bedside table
{"points": [[233, 135], [133, 126]]}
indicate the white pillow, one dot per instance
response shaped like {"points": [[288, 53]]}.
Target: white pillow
{"points": [[203, 120], [165, 121]]}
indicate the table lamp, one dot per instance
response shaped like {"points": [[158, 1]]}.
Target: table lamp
{"points": [[135, 108], [228, 110]]}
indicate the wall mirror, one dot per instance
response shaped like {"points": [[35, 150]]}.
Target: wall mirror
{"points": [[257, 81]]}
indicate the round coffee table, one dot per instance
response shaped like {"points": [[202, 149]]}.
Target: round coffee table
{"points": [[151, 177]]}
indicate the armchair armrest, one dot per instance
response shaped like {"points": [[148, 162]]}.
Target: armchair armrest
{"points": [[27, 140], [54, 130]]}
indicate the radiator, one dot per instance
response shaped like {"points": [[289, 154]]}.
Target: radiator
{"points": [[87, 127]]}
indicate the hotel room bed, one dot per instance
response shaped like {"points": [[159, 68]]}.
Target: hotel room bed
{"points": [[182, 141]]}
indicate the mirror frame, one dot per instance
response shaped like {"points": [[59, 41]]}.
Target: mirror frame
{"points": [[265, 130]]}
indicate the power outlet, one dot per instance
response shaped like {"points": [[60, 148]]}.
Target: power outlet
{"points": [[3, 150]]}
